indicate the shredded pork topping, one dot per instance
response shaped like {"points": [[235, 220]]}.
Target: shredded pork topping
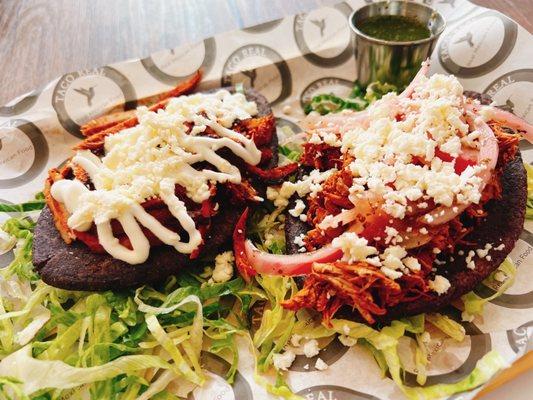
{"points": [[408, 178]]}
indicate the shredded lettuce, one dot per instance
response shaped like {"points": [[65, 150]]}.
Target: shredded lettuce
{"points": [[33, 205], [503, 277], [529, 204], [293, 155], [37, 375], [22, 230], [274, 332], [376, 90], [358, 99], [384, 348], [447, 325], [146, 343], [113, 345]]}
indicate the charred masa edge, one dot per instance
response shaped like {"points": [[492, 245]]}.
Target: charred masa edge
{"points": [[75, 267]]}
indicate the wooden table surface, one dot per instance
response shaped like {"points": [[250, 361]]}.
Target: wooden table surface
{"points": [[43, 39]]}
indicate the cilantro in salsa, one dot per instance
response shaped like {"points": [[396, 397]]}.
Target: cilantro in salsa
{"points": [[395, 28]]}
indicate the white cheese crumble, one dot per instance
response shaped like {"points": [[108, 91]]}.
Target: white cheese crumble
{"points": [[482, 253], [296, 339], [223, 267], [354, 248], [412, 263], [287, 109], [283, 361], [148, 161], [310, 348], [320, 364], [299, 240], [299, 207], [440, 284], [308, 185], [470, 263], [384, 149]]}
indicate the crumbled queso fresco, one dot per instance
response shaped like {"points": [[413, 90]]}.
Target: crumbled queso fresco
{"points": [[383, 152]]}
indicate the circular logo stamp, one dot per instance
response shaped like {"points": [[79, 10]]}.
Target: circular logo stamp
{"points": [[83, 95], [264, 27], [520, 338], [260, 67], [217, 387], [451, 361], [20, 106], [478, 45], [23, 153], [520, 295], [330, 85], [513, 91], [171, 66], [332, 392], [323, 35]]}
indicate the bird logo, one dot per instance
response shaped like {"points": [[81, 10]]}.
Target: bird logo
{"points": [[252, 74], [466, 38], [509, 105], [320, 24], [88, 93]]}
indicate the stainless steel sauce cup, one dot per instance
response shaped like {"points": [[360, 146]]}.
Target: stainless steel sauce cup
{"points": [[388, 61]]}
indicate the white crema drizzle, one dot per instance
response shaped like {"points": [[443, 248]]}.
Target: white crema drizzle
{"points": [[149, 160]]}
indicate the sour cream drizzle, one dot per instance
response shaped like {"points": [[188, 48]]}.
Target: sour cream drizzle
{"points": [[150, 160]]}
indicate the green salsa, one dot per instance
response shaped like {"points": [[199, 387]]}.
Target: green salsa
{"points": [[394, 28]]}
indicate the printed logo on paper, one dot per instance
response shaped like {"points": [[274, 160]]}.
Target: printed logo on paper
{"points": [[332, 392], [174, 65], [23, 153], [260, 67], [520, 338], [520, 294], [324, 36], [512, 90], [330, 353], [450, 361], [264, 27], [20, 106], [478, 45], [329, 85], [84, 95], [216, 386]]}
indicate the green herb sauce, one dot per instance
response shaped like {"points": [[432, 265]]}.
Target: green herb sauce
{"points": [[395, 28]]}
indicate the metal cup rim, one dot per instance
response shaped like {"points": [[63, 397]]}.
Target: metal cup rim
{"points": [[432, 37]]}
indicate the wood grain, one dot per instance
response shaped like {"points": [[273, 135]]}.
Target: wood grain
{"points": [[43, 39]]}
